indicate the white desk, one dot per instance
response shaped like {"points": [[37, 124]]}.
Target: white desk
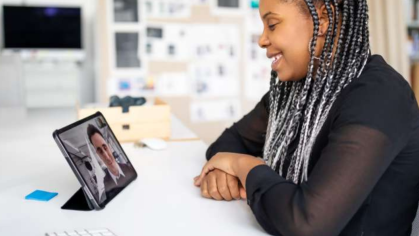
{"points": [[162, 201]]}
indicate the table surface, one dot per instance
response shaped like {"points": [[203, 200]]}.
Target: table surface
{"points": [[162, 201]]}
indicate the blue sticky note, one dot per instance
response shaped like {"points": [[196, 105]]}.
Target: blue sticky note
{"points": [[40, 195]]}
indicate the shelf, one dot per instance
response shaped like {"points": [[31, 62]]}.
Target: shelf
{"points": [[45, 54], [413, 24], [414, 58]]}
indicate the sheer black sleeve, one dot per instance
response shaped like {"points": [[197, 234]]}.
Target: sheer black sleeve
{"points": [[247, 136], [370, 128]]}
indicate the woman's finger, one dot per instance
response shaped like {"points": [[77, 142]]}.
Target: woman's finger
{"points": [[198, 179], [222, 186], [205, 170], [204, 189], [195, 181], [233, 185], [213, 188]]}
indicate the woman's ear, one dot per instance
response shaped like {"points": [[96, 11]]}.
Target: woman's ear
{"points": [[324, 19], [322, 28]]}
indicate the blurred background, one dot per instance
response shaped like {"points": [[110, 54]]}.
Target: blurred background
{"points": [[199, 56]]}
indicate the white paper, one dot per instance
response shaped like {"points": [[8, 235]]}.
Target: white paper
{"points": [[215, 41], [258, 69], [258, 66], [214, 70], [201, 2], [220, 110], [167, 8], [214, 79], [172, 84], [166, 42], [253, 20]]}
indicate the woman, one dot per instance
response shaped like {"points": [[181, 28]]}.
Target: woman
{"points": [[338, 131]]}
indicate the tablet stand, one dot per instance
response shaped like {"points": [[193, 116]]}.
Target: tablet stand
{"points": [[79, 202]]}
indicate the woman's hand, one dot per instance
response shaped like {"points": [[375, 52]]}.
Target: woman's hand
{"points": [[219, 185], [232, 163]]}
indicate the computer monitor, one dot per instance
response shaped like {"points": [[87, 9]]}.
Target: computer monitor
{"points": [[27, 27]]}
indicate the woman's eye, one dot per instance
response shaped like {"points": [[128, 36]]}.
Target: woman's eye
{"points": [[272, 27]]}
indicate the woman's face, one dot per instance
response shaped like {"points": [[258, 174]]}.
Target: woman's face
{"points": [[286, 35]]}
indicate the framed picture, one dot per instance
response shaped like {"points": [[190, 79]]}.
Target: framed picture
{"points": [[126, 50], [126, 11], [229, 7]]}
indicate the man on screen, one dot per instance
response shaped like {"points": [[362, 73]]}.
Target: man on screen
{"points": [[117, 175]]}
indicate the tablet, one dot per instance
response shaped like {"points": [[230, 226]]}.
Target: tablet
{"points": [[96, 158]]}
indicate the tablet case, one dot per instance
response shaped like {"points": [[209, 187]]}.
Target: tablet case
{"points": [[78, 202]]}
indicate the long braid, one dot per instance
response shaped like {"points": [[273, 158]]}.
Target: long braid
{"points": [[329, 78], [353, 61], [360, 30], [288, 132], [291, 121], [321, 79], [275, 96], [287, 125], [296, 159], [328, 94], [305, 104]]}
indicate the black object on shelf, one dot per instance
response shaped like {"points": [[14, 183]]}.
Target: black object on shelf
{"points": [[126, 102]]}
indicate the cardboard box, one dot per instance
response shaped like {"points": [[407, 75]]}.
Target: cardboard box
{"points": [[148, 121]]}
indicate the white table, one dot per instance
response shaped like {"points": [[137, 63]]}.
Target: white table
{"points": [[162, 201]]}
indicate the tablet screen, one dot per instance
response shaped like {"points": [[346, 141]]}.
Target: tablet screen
{"points": [[98, 157]]}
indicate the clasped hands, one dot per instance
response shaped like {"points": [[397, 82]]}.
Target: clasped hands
{"points": [[223, 177]]}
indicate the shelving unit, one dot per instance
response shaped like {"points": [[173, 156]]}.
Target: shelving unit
{"points": [[126, 40], [50, 78]]}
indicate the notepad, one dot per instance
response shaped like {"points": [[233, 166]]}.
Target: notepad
{"points": [[40, 195]]}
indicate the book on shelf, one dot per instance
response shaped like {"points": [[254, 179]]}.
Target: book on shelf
{"points": [[415, 79]]}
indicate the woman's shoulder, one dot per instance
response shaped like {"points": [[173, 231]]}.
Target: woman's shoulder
{"points": [[379, 97], [378, 75], [378, 82]]}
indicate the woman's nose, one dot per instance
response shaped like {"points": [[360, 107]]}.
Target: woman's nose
{"points": [[263, 40]]}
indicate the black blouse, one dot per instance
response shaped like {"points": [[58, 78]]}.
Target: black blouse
{"points": [[363, 175]]}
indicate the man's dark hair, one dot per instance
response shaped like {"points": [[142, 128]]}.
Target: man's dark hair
{"points": [[91, 130]]}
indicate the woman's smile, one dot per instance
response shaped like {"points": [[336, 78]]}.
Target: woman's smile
{"points": [[276, 59]]}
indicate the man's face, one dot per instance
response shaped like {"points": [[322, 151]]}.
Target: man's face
{"points": [[103, 150]]}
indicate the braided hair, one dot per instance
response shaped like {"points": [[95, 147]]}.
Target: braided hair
{"points": [[302, 107]]}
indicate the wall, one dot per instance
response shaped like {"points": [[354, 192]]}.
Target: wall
{"points": [[208, 131], [388, 38], [388, 33], [87, 86]]}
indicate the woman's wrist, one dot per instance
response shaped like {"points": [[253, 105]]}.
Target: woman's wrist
{"points": [[244, 164]]}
